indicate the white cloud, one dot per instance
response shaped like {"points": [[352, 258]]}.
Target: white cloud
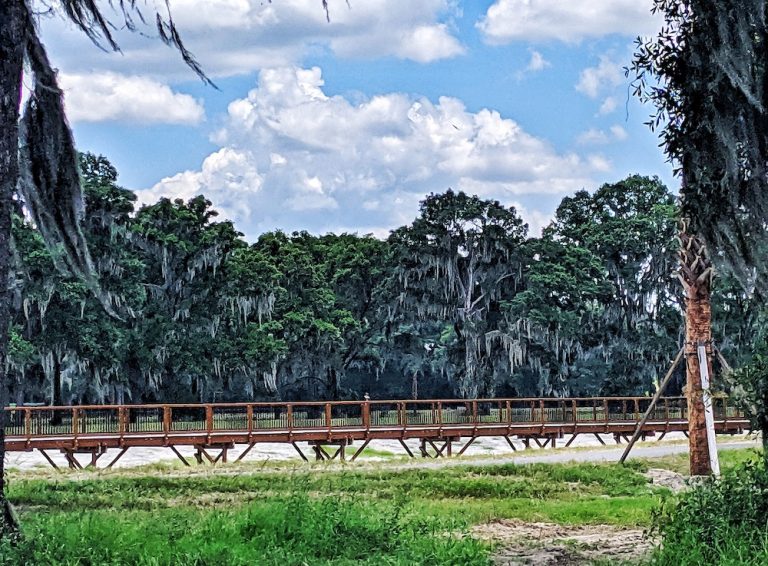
{"points": [[606, 75], [570, 21], [293, 157], [537, 62], [618, 132], [608, 106], [112, 97], [593, 136], [231, 37], [429, 43]]}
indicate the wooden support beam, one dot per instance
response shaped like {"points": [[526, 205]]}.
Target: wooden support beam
{"points": [[469, 443], [178, 455], [360, 450], [95, 455], [570, 440], [202, 452], [116, 458], [303, 457], [509, 441], [405, 446], [600, 439], [322, 452], [246, 451], [47, 457], [649, 410]]}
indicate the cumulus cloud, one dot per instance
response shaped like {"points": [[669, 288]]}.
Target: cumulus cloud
{"points": [[428, 43], [293, 157], [113, 97], [231, 37], [571, 21], [606, 75], [594, 136]]}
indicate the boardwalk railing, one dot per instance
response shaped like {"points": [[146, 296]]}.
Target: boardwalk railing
{"points": [[82, 421], [95, 428]]}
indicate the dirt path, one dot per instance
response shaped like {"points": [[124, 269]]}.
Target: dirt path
{"points": [[548, 544]]}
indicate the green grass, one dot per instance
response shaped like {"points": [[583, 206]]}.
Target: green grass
{"points": [[316, 514]]}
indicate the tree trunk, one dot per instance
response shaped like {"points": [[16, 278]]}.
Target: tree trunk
{"points": [[696, 277], [56, 396], [11, 61]]}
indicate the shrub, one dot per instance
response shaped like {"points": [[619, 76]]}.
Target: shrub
{"points": [[719, 521]]}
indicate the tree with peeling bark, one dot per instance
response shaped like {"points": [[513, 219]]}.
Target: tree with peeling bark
{"points": [[706, 74]]}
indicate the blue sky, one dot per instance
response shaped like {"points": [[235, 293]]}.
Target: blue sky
{"points": [[347, 125]]}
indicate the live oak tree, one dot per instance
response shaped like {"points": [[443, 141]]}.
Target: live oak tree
{"points": [[454, 264]]}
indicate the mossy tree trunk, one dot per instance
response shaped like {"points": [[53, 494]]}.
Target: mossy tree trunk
{"points": [[12, 36]]}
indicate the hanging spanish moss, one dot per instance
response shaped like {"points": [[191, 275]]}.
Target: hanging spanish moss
{"points": [[705, 73]]}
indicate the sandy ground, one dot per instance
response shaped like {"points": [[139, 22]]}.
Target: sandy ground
{"points": [[548, 544], [483, 450]]}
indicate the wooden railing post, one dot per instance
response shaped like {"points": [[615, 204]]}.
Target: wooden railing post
{"points": [[167, 419], [637, 408], [440, 412], [122, 420], [289, 416], [209, 419], [509, 411], [74, 421], [328, 420], [366, 413], [574, 408], [541, 409], [249, 418], [474, 412], [605, 410], [28, 422]]}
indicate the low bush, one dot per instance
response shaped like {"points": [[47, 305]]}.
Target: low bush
{"points": [[720, 521]]}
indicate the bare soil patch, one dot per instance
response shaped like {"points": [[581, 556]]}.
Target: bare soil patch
{"points": [[548, 544]]}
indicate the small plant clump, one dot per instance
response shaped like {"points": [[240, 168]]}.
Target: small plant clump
{"points": [[719, 521]]}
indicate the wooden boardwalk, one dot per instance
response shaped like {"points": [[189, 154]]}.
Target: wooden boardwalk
{"points": [[214, 429]]}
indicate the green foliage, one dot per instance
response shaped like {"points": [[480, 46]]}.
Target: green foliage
{"points": [[458, 302], [705, 74], [719, 521]]}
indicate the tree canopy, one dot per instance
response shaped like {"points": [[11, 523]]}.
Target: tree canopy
{"points": [[461, 302]]}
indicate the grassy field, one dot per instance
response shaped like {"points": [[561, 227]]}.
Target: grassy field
{"points": [[316, 514]]}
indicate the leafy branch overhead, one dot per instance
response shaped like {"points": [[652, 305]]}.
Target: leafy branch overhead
{"points": [[705, 74]]}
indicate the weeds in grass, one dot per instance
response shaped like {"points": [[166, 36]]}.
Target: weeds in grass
{"points": [[719, 521], [297, 529]]}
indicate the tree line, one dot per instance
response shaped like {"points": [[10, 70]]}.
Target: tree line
{"points": [[461, 302]]}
